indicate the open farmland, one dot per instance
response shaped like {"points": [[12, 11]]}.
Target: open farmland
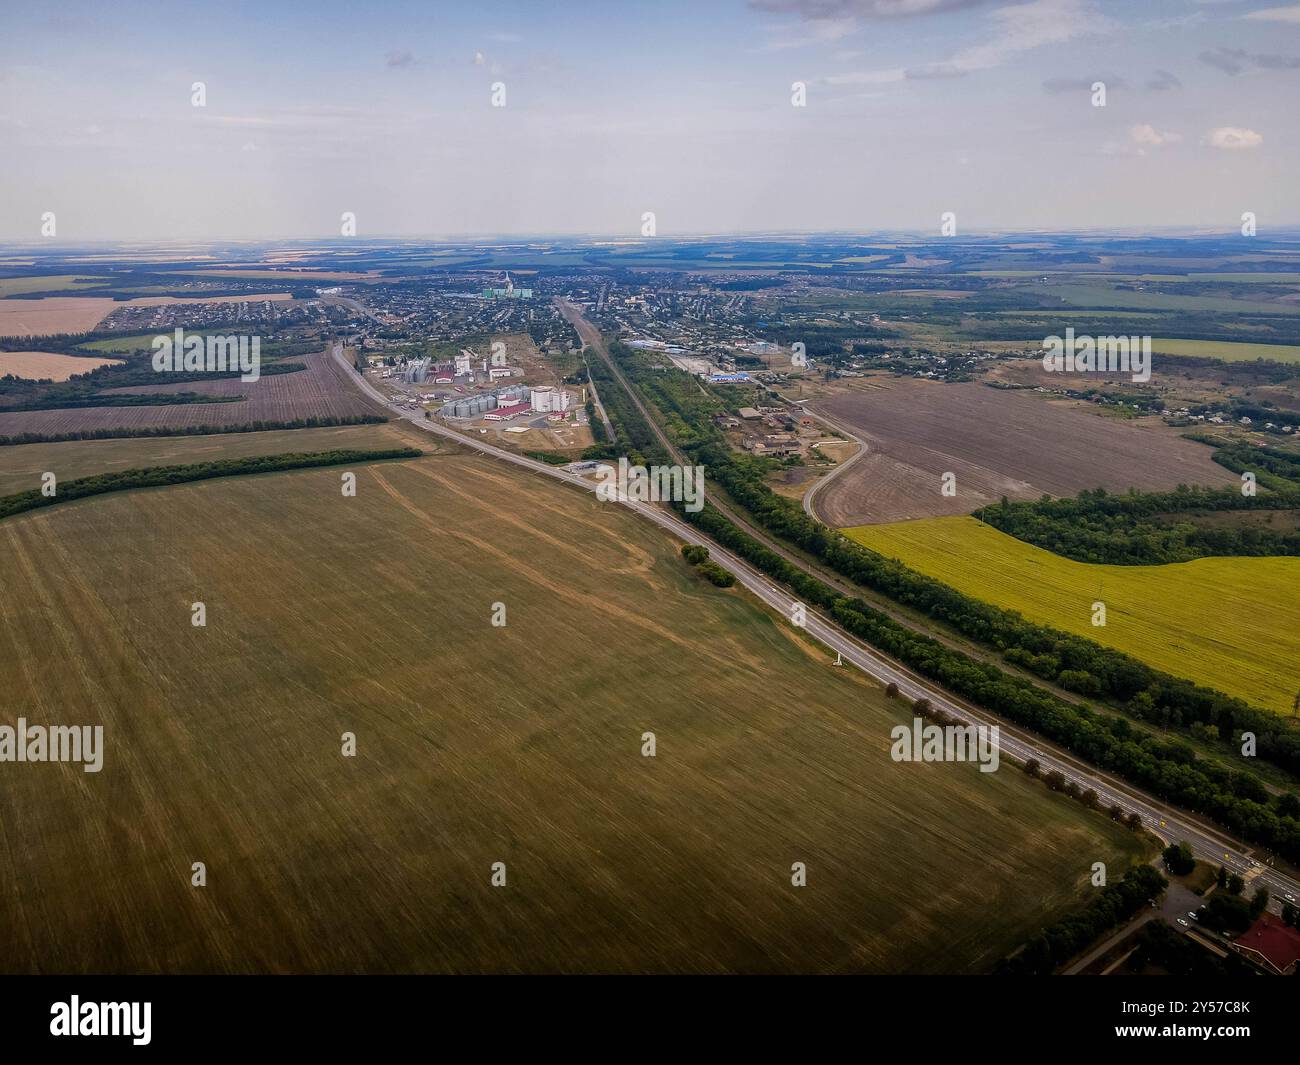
{"points": [[998, 442], [54, 314], [321, 390], [21, 465], [48, 365], [1228, 351], [1230, 623], [18, 286], [80, 314], [475, 744]]}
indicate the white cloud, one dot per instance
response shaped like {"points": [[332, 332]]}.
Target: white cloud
{"points": [[1023, 27], [813, 31], [1019, 28], [1233, 138], [1290, 13], [1145, 133], [886, 9], [868, 77]]}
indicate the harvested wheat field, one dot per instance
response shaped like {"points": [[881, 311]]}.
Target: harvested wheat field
{"points": [[54, 314], [80, 314], [321, 390], [475, 744], [21, 465], [48, 365], [997, 443]]}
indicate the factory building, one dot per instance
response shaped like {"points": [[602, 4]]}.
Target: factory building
{"points": [[477, 406], [548, 398], [415, 371]]}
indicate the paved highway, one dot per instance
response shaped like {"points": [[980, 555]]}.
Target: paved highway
{"points": [[1166, 823]]}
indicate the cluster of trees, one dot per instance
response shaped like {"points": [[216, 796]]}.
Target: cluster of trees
{"points": [[698, 555], [1181, 325], [551, 458], [632, 436], [695, 553], [597, 426], [1228, 913], [1160, 945], [1259, 413], [819, 341], [314, 422], [155, 476], [717, 575], [1057, 944], [1273, 468], [1144, 528], [1178, 859]]}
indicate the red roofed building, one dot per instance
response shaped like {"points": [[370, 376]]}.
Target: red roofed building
{"points": [[1271, 944]]}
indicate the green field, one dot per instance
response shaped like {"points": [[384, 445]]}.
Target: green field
{"points": [[476, 744], [21, 465], [137, 342], [1228, 351], [20, 286], [1104, 295], [1230, 623]]}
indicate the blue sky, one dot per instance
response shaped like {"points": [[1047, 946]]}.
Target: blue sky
{"points": [[914, 107]]}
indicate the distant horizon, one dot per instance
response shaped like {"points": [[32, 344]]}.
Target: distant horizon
{"points": [[1272, 232], [739, 116]]}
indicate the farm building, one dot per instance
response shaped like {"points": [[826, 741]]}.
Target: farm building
{"points": [[1272, 944]]}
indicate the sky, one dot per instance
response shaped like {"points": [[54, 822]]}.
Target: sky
{"points": [[613, 109]]}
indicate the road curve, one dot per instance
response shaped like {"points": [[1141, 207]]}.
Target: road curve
{"points": [[822, 482], [1166, 823]]}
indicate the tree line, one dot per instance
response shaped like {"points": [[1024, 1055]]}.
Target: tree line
{"points": [[316, 421], [157, 476], [1058, 943]]}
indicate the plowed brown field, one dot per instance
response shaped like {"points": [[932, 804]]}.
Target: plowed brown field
{"points": [[997, 443], [320, 390]]}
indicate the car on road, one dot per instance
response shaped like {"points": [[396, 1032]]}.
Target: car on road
{"points": [[1193, 915], [1289, 898], [1183, 923]]}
